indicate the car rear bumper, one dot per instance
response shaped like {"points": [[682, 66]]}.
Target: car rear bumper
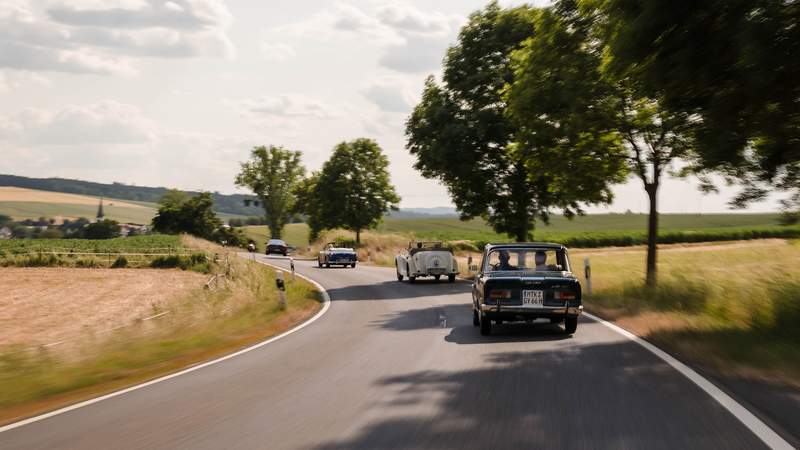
{"points": [[433, 273], [547, 311]]}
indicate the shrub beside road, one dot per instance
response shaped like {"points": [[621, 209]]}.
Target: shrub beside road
{"points": [[200, 324]]}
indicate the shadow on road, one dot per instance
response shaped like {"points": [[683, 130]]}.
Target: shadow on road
{"points": [[611, 395], [458, 319], [389, 290]]}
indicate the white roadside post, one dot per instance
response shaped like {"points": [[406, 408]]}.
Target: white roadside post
{"points": [[291, 265], [281, 284], [587, 270]]}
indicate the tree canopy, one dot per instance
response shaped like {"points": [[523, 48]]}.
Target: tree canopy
{"points": [[179, 213], [272, 174], [565, 99], [734, 65], [352, 191], [494, 165]]}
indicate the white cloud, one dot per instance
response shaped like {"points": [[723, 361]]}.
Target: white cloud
{"points": [[105, 122], [391, 94], [110, 141], [290, 106], [13, 80], [414, 39], [277, 52], [103, 37], [188, 15], [408, 19]]}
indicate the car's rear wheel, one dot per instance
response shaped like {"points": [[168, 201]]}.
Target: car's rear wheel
{"points": [[411, 279], [570, 325], [437, 277], [399, 277], [327, 265], [486, 326], [451, 278], [354, 265], [319, 263], [475, 319]]}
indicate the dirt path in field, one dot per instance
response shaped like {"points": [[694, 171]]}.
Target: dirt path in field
{"points": [[45, 305]]}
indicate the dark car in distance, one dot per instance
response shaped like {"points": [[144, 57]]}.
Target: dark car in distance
{"points": [[277, 246], [525, 282]]}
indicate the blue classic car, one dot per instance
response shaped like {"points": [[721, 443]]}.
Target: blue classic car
{"points": [[332, 255], [524, 282]]}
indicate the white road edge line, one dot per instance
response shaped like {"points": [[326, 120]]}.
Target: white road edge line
{"points": [[325, 306], [753, 423]]}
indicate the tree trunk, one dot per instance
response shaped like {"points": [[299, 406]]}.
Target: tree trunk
{"points": [[652, 234], [358, 235], [275, 229]]}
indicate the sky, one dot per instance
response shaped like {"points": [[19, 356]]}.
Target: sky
{"points": [[176, 93]]}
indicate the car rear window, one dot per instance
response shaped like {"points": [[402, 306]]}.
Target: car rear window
{"points": [[528, 259], [276, 242]]}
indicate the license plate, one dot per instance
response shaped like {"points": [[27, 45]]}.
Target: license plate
{"points": [[533, 299]]}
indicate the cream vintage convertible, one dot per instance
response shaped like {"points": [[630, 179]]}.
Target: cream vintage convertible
{"points": [[426, 259]]}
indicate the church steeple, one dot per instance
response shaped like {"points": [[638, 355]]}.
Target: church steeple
{"points": [[100, 214]]}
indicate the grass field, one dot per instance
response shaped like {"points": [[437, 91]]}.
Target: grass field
{"points": [[23, 204], [590, 231], [732, 308], [200, 326], [451, 228], [295, 234]]}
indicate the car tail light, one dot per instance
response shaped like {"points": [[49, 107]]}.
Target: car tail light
{"points": [[500, 293], [561, 295]]}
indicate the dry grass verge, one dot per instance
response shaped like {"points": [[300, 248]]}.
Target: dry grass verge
{"points": [[202, 324], [732, 309]]}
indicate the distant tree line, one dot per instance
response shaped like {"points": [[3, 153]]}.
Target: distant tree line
{"points": [[352, 191], [46, 228], [228, 204]]}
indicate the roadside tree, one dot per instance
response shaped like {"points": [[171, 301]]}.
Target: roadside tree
{"points": [[180, 213], [353, 190], [732, 64], [462, 134], [562, 99], [272, 174], [104, 229]]}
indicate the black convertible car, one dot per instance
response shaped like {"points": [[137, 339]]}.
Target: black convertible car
{"points": [[524, 282]]}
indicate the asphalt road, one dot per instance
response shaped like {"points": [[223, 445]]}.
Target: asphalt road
{"points": [[394, 365]]}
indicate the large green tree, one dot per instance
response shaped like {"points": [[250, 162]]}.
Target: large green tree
{"points": [[180, 213], [734, 65], [462, 134], [272, 174], [563, 99], [353, 190]]}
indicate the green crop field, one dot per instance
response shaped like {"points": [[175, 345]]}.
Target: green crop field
{"points": [[156, 243], [295, 234], [152, 251], [451, 228]]}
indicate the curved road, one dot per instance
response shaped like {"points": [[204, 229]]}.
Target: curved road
{"points": [[395, 365]]}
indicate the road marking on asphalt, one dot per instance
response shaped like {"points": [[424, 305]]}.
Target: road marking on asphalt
{"points": [[753, 423], [325, 306]]}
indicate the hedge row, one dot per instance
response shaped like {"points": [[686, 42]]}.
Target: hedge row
{"points": [[627, 239]]}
